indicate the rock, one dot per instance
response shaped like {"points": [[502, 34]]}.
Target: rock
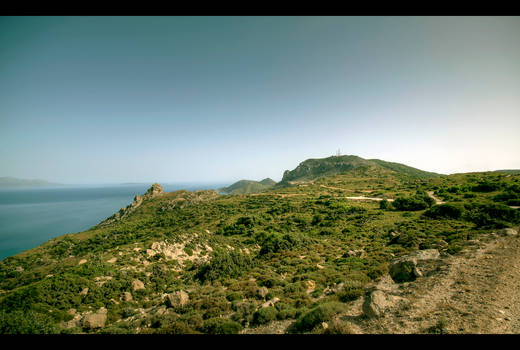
{"points": [[262, 292], [311, 286], [271, 302], [177, 299], [154, 191], [71, 312], [84, 291], [95, 320], [426, 254], [111, 261], [404, 269], [355, 253], [19, 269], [509, 232], [82, 261], [127, 296], [137, 285], [377, 302]]}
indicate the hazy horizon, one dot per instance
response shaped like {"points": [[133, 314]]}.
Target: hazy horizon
{"points": [[92, 100]]}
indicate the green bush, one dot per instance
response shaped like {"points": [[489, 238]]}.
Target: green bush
{"points": [[225, 264], [448, 211], [384, 204], [264, 315], [28, 322], [493, 215], [317, 315], [418, 202], [486, 186], [219, 325]]}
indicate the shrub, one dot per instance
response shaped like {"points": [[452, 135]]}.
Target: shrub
{"points": [[384, 204], [495, 215], [219, 325], [486, 186], [418, 202], [448, 211], [29, 322], [338, 327], [316, 316], [264, 315], [224, 263]]}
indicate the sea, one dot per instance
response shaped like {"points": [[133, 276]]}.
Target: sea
{"points": [[32, 216]]}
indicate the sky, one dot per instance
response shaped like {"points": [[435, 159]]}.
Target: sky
{"points": [[211, 99]]}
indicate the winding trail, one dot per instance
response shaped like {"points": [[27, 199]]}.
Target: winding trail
{"points": [[437, 200]]}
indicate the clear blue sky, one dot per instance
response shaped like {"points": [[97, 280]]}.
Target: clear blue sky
{"points": [[124, 99]]}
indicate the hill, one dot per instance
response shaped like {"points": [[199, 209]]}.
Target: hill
{"points": [[307, 258], [312, 169], [248, 186], [12, 182]]}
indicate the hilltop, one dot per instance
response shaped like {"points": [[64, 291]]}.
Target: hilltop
{"points": [[13, 182], [248, 186], [312, 169], [340, 254]]}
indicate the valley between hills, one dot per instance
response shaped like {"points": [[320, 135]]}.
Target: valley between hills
{"points": [[340, 245]]}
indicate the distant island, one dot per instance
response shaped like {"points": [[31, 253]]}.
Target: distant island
{"points": [[13, 182]]}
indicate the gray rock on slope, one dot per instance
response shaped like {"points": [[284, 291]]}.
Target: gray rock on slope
{"points": [[404, 269], [177, 299], [95, 320]]}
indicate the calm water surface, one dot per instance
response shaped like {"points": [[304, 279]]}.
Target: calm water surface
{"points": [[30, 217]]}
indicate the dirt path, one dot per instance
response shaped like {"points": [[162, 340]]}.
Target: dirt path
{"points": [[437, 200], [475, 292]]}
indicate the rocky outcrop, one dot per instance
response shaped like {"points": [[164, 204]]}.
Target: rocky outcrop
{"points": [[262, 292], [177, 299], [137, 285], [271, 302], [509, 231], [404, 269], [95, 320], [154, 191], [377, 302], [127, 296]]}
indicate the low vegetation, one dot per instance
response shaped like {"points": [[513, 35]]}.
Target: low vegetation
{"points": [[223, 264]]}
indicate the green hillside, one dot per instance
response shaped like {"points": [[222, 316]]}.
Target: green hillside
{"points": [[248, 186], [290, 257], [312, 169]]}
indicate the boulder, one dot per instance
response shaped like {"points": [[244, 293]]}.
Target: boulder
{"points": [[310, 285], [377, 302], [262, 292], [426, 254], [271, 302], [404, 269], [137, 285], [127, 296], [95, 320], [177, 299], [509, 232], [84, 291]]}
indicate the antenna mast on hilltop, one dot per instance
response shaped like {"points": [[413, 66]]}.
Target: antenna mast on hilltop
{"points": [[338, 153]]}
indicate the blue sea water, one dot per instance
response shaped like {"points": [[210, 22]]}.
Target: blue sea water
{"points": [[30, 217]]}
